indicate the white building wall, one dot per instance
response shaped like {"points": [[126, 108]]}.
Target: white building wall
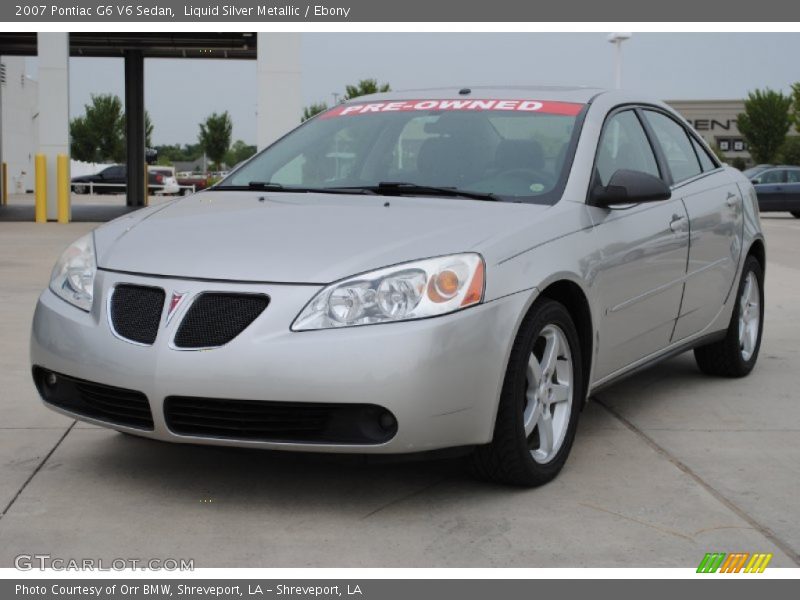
{"points": [[20, 124]]}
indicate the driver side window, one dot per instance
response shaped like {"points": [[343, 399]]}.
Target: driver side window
{"points": [[624, 145]]}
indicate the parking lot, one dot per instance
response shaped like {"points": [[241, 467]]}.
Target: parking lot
{"points": [[667, 466]]}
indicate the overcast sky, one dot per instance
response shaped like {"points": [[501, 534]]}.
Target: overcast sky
{"points": [[181, 93]]}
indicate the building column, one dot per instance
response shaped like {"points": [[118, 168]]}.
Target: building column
{"points": [[3, 183], [134, 127], [53, 52], [279, 85]]}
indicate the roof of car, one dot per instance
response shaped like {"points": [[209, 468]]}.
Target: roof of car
{"points": [[539, 92]]}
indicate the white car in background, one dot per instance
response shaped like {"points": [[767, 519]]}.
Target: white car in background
{"points": [[165, 180]]}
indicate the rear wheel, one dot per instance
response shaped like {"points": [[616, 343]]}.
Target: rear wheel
{"points": [[736, 354], [796, 214], [540, 402]]}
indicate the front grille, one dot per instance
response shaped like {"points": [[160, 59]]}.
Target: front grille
{"points": [[136, 312], [96, 400], [299, 422], [214, 319]]}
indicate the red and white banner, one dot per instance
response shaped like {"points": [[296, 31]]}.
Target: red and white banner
{"points": [[526, 106]]}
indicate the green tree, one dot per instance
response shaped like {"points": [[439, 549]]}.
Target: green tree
{"points": [[313, 110], [789, 153], [795, 116], [99, 135], [365, 87], [765, 123], [215, 136], [238, 152], [175, 152]]}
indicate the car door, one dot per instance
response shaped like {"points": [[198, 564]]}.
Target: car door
{"points": [[109, 180], [714, 205], [643, 250], [793, 191], [769, 186]]}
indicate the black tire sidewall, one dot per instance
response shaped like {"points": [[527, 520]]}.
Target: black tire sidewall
{"points": [[751, 265], [546, 312]]}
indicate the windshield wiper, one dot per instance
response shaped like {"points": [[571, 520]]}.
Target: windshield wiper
{"points": [[399, 188], [268, 186]]}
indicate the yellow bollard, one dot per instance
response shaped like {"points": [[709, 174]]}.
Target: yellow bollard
{"points": [[41, 189], [62, 182], [4, 192]]}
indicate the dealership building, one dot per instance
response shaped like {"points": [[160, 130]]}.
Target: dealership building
{"points": [[715, 120]]}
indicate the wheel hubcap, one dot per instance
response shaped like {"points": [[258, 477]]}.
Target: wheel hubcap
{"points": [[749, 316], [548, 397]]}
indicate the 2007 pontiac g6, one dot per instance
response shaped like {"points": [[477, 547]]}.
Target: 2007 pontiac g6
{"points": [[414, 271]]}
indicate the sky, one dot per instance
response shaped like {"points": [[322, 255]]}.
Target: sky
{"points": [[179, 94]]}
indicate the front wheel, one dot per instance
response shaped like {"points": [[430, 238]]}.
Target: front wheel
{"points": [[736, 354], [541, 399]]}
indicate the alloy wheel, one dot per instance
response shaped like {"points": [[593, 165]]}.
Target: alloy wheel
{"points": [[549, 392], [749, 316]]}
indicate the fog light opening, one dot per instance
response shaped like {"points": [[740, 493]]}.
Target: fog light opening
{"points": [[387, 421]]}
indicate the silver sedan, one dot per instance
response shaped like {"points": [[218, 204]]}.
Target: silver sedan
{"points": [[414, 271]]}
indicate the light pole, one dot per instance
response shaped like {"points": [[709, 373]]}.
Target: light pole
{"points": [[617, 39]]}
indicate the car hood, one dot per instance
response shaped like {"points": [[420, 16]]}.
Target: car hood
{"points": [[294, 237]]}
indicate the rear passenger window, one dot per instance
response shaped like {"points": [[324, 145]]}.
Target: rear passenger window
{"points": [[624, 145], [677, 148], [793, 176], [772, 176], [706, 163]]}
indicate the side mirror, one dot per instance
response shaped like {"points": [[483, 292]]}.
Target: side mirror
{"points": [[630, 187]]}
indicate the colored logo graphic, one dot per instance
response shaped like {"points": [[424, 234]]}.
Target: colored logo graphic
{"points": [[738, 562]]}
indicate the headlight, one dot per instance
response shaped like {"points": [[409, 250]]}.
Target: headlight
{"points": [[73, 275], [414, 290]]}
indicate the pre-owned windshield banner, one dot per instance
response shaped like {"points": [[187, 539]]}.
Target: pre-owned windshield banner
{"points": [[121, 11], [524, 106]]}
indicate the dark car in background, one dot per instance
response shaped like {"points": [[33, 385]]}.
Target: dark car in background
{"points": [[114, 178], [778, 189]]}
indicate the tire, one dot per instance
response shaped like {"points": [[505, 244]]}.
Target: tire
{"points": [[796, 214], [80, 189], [733, 356], [514, 457]]}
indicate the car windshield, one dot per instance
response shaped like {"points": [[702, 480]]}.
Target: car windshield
{"points": [[513, 150]]}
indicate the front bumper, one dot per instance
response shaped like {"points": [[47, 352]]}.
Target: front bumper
{"points": [[441, 378]]}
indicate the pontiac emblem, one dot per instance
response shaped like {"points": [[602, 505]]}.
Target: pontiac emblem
{"points": [[174, 302]]}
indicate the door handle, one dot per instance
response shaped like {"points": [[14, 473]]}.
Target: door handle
{"points": [[731, 199], [677, 222]]}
